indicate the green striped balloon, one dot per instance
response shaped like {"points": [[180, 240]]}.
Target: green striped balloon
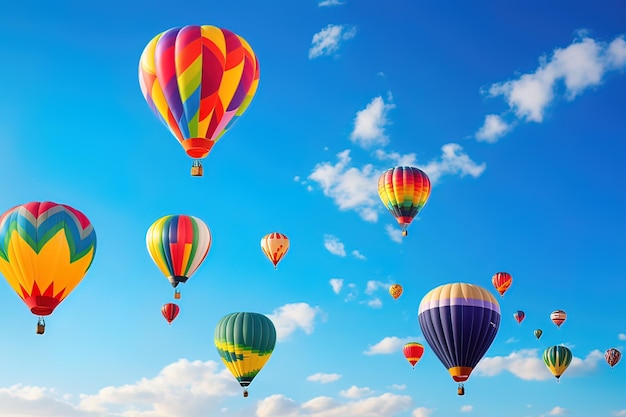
{"points": [[557, 359], [245, 342]]}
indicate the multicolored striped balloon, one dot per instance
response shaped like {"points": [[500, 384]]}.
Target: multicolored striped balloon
{"points": [[245, 342], [198, 80], [275, 246], [501, 282], [558, 317], [178, 244], [519, 316], [404, 191], [45, 251], [557, 359], [612, 356], [170, 311], [459, 322]]}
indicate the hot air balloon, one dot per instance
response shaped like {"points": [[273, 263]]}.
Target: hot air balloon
{"points": [[538, 333], [198, 80], [395, 290], [170, 311], [501, 281], [459, 322], [245, 341], [558, 317], [413, 352], [45, 251], [275, 246], [557, 359], [612, 356], [519, 316], [178, 244], [404, 191]]}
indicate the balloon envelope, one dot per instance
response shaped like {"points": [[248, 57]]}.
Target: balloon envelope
{"points": [[538, 333], [245, 342], [178, 244], [404, 191], [275, 246], [501, 281], [395, 290], [413, 352], [557, 359], [558, 317], [612, 356], [459, 322], [198, 80], [170, 312], [519, 316], [45, 251]]}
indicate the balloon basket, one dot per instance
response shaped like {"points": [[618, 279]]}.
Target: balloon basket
{"points": [[197, 170], [460, 390], [245, 394], [177, 295], [41, 326]]}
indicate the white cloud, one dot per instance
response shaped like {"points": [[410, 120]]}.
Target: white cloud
{"points": [[336, 283], [388, 345], [399, 387], [422, 412], [334, 245], [385, 405], [511, 340], [579, 66], [493, 129], [557, 411], [621, 336], [26, 400], [358, 254], [369, 124], [351, 188], [467, 408], [394, 233], [453, 161], [619, 413], [528, 365], [328, 40], [324, 3], [291, 317], [323, 378], [373, 286], [374, 302], [356, 392]]}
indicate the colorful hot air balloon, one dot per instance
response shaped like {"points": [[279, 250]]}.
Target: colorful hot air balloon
{"points": [[198, 80], [245, 341], [501, 281], [558, 317], [45, 251], [612, 356], [395, 290], [404, 191], [275, 246], [538, 333], [459, 322], [557, 359], [519, 316], [413, 352], [170, 311], [178, 244]]}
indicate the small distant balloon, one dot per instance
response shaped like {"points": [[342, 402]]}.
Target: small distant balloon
{"points": [[275, 246], [395, 290], [557, 359], [413, 352], [170, 312], [538, 333], [519, 316], [501, 281], [558, 317], [612, 357]]}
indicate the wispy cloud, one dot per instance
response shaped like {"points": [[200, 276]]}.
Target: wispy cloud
{"points": [[388, 345], [621, 336], [326, 3], [323, 378], [580, 66], [528, 365], [394, 233], [356, 392], [292, 317], [337, 284], [328, 40], [357, 254], [557, 411], [422, 412], [467, 408], [369, 124], [334, 245]]}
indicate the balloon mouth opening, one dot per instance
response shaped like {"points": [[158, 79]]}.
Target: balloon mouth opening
{"points": [[41, 311], [460, 378], [177, 279], [460, 373], [197, 147], [41, 305], [404, 221]]}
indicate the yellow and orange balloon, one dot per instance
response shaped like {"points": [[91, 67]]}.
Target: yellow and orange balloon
{"points": [[275, 246], [395, 290]]}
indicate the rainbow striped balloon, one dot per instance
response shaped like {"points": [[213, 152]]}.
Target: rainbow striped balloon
{"points": [[45, 251], [198, 80], [178, 244], [404, 191]]}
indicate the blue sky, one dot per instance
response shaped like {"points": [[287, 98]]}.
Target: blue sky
{"points": [[515, 110]]}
